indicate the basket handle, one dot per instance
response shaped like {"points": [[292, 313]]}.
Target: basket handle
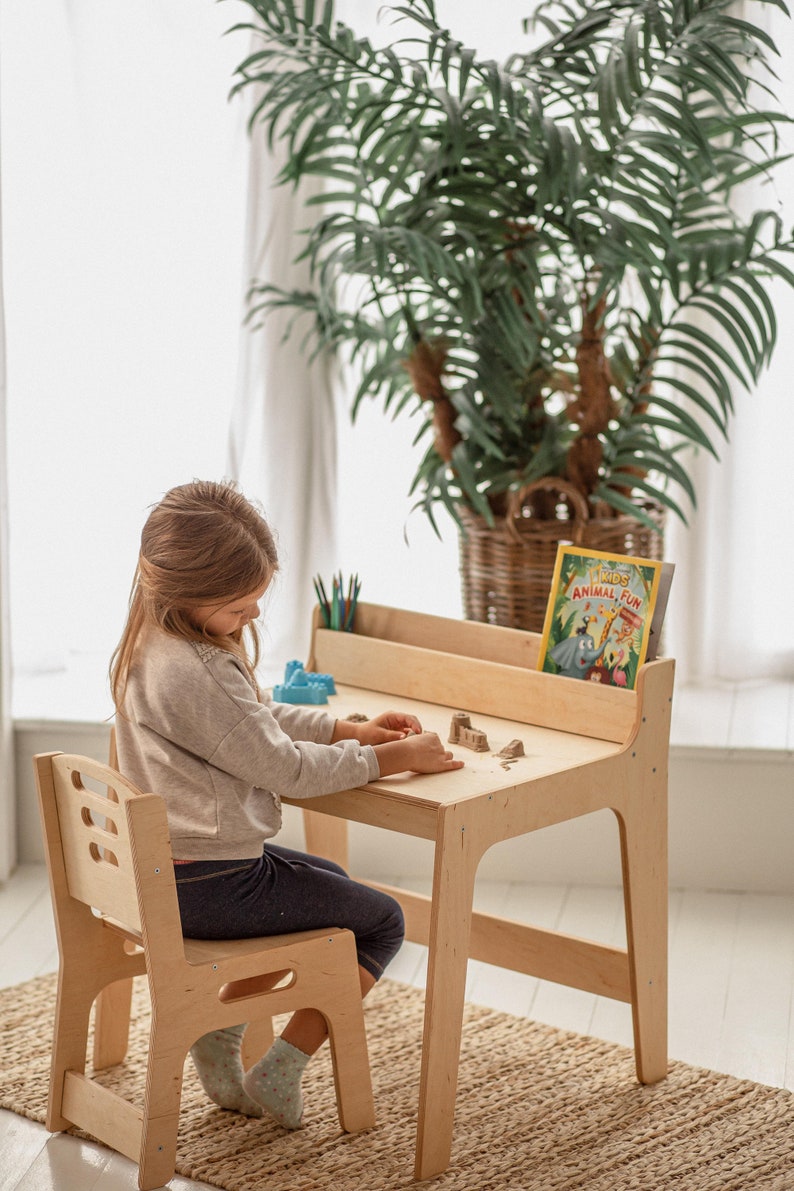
{"points": [[577, 502]]}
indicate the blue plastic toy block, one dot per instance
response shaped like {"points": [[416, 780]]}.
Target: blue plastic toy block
{"points": [[301, 686]]}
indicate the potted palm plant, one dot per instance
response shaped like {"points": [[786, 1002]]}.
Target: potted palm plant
{"points": [[545, 259]]}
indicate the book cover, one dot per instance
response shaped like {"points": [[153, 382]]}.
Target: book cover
{"points": [[599, 615]]}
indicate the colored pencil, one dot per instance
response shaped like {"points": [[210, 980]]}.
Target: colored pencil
{"points": [[322, 600], [338, 611]]}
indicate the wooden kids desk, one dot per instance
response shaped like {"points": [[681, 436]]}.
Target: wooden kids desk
{"points": [[587, 747]]}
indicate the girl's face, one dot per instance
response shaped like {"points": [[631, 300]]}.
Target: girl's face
{"points": [[221, 620]]}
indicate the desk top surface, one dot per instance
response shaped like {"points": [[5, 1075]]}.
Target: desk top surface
{"points": [[545, 751]]}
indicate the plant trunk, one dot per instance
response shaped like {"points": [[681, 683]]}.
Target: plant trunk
{"points": [[425, 366], [595, 405]]}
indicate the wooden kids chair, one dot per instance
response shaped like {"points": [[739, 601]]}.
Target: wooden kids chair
{"points": [[117, 916]]}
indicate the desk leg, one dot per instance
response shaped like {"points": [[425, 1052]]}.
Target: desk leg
{"points": [[326, 836], [450, 928], [643, 837]]}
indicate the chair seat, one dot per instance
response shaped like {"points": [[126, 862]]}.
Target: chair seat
{"points": [[203, 951]]}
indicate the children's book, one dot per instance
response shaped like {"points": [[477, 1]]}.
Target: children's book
{"points": [[604, 615]]}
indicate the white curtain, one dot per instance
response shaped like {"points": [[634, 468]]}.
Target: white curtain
{"points": [[7, 802], [282, 439], [336, 494], [734, 567]]}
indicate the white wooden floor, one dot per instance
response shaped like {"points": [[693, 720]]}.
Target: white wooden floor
{"points": [[731, 1003]]}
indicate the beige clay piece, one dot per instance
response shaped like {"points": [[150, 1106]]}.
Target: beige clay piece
{"points": [[461, 732], [510, 753], [356, 717], [512, 750]]}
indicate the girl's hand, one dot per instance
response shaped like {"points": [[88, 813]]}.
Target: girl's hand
{"points": [[424, 753], [389, 725]]}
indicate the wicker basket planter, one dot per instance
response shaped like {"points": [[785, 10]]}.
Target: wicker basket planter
{"points": [[506, 569]]}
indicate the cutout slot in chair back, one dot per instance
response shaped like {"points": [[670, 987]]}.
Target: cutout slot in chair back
{"points": [[95, 835]]}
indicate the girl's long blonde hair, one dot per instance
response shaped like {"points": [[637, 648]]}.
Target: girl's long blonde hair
{"points": [[204, 543]]}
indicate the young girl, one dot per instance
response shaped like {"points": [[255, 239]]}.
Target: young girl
{"points": [[193, 725]]}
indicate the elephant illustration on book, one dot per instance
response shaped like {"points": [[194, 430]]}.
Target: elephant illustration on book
{"points": [[575, 655]]}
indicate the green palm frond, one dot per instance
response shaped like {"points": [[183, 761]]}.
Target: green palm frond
{"points": [[489, 206]]}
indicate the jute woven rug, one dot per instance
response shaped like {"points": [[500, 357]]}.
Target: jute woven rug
{"points": [[538, 1110]]}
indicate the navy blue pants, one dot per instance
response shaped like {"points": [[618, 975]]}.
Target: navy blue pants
{"points": [[285, 891]]}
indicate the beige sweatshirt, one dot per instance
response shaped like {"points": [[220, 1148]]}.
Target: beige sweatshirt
{"points": [[194, 732]]}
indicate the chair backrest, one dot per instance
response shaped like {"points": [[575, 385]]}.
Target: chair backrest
{"points": [[98, 837]]}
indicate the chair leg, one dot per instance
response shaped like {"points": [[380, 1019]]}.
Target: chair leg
{"points": [[352, 1079], [70, 1041], [162, 1100], [643, 839], [344, 1014], [112, 1024]]}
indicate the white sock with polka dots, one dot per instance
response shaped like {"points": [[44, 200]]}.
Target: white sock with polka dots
{"points": [[216, 1057], [275, 1083]]}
